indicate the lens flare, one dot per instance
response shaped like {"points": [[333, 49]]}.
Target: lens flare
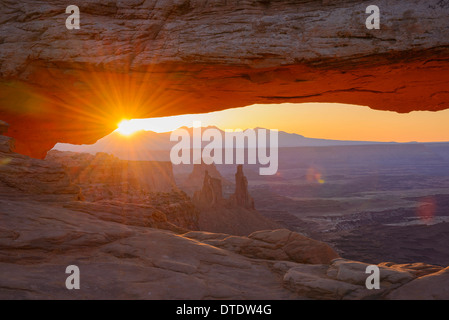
{"points": [[314, 175], [426, 209]]}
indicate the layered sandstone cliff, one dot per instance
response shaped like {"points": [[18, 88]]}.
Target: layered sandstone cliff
{"points": [[104, 176], [139, 193]]}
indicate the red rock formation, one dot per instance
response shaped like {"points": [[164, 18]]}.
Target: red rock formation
{"points": [[3, 127], [241, 195], [211, 194], [155, 58], [235, 215]]}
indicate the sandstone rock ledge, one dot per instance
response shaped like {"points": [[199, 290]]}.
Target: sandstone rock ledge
{"points": [[39, 240]]}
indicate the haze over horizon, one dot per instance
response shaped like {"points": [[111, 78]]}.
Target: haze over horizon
{"points": [[331, 121]]}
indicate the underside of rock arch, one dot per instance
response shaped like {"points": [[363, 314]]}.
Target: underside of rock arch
{"points": [[150, 58]]}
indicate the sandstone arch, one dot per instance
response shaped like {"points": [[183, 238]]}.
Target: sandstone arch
{"points": [[139, 58]]}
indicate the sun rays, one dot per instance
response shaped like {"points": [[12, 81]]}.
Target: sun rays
{"points": [[126, 128]]}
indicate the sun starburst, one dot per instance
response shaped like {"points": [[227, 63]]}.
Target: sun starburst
{"points": [[127, 128]]}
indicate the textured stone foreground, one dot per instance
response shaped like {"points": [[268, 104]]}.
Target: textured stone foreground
{"points": [[38, 240], [135, 59]]}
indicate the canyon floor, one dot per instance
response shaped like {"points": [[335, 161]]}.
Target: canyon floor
{"points": [[390, 203]]}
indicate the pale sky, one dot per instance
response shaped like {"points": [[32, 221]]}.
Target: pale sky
{"points": [[315, 120]]}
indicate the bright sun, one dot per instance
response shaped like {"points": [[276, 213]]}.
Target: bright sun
{"points": [[126, 127]]}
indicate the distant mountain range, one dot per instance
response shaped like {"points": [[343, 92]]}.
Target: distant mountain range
{"points": [[149, 145]]}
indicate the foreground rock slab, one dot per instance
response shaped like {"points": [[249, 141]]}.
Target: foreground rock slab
{"points": [[38, 241], [281, 244], [125, 259], [434, 286]]}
